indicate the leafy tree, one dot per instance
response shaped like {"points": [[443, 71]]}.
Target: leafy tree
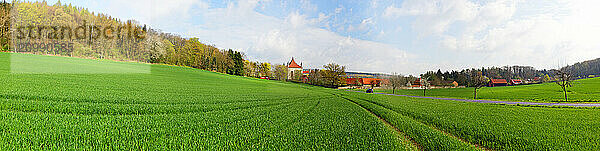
{"points": [[238, 63], [547, 78], [265, 69], [334, 74], [280, 71], [477, 82]]}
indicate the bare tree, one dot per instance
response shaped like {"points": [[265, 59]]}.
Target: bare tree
{"points": [[280, 72], [563, 80], [425, 85], [315, 77], [395, 81], [477, 81]]}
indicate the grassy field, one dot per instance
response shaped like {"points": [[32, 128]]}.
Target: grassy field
{"points": [[496, 127], [174, 108], [183, 108], [585, 90]]}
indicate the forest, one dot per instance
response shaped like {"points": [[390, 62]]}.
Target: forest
{"points": [[4, 26], [590, 68], [39, 27], [507, 72]]}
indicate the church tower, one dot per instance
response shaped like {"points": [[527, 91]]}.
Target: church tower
{"points": [[294, 69]]}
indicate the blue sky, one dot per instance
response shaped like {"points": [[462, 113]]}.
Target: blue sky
{"points": [[408, 37]]}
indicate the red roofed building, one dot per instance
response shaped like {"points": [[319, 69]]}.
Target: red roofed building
{"points": [[293, 64], [371, 81], [294, 68], [416, 83], [498, 82], [364, 81], [516, 82], [353, 81]]}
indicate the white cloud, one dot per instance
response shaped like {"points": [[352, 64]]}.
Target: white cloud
{"points": [[266, 38], [506, 32], [444, 33], [307, 6]]}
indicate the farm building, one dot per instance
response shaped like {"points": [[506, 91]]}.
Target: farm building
{"points": [[416, 83], [451, 83], [516, 82], [364, 81], [497, 82], [371, 81]]}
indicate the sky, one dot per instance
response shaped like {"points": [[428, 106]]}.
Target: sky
{"points": [[408, 37]]}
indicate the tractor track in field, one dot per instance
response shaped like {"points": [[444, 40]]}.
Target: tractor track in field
{"points": [[430, 126], [399, 132], [402, 134]]}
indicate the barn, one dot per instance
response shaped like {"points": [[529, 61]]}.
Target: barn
{"points": [[497, 82]]}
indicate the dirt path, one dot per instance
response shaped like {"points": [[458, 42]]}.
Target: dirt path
{"points": [[499, 102]]}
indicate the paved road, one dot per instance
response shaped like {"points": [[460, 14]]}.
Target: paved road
{"points": [[500, 102]]}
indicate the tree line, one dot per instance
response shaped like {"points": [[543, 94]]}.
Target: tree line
{"points": [[39, 22], [507, 72], [584, 69]]}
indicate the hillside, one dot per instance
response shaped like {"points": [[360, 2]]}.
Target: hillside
{"points": [[56, 29], [185, 108], [172, 107], [584, 69]]}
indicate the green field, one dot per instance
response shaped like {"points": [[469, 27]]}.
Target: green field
{"points": [[584, 90], [182, 108]]}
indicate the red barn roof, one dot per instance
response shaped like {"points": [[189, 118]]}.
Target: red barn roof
{"points": [[352, 81], [499, 81], [364, 81], [293, 64], [368, 81]]}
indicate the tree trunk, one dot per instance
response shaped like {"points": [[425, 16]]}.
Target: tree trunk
{"points": [[424, 91], [393, 90], [565, 90], [475, 94]]}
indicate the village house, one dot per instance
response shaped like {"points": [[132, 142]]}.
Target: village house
{"points": [[451, 83], [416, 83], [364, 81], [497, 82], [516, 82]]}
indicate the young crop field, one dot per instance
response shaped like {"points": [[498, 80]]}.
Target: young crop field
{"points": [[584, 90], [174, 108], [179, 108], [491, 126]]}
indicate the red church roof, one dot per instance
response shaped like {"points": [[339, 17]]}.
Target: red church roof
{"points": [[293, 64]]}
